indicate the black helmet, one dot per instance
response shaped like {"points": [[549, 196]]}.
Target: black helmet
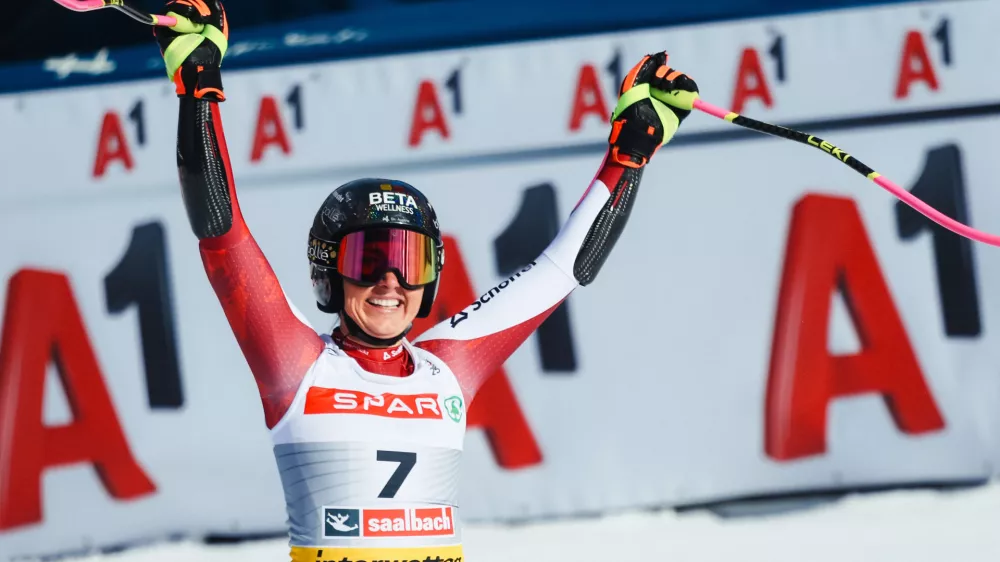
{"points": [[362, 205]]}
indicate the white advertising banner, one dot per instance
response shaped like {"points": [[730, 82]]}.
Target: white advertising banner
{"points": [[768, 323]]}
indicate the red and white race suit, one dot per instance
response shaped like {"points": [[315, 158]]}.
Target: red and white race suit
{"points": [[369, 462]]}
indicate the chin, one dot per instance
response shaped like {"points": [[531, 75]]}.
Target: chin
{"points": [[386, 331]]}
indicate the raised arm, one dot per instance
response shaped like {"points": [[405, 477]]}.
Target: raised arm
{"points": [[278, 346], [653, 101]]}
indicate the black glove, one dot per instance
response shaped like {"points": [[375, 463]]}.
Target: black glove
{"points": [[653, 101], [194, 48]]}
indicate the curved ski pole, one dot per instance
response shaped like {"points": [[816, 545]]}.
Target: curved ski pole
{"points": [[855, 164], [137, 15]]}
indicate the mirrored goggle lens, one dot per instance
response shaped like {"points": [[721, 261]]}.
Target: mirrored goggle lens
{"points": [[367, 255]]}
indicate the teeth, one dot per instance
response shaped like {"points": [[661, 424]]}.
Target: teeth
{"points": [[391, 303]]}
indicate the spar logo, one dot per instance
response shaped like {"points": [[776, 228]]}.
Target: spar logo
{"points": [[402, 406]]}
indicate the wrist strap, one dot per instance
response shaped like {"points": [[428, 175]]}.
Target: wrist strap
{"points": [[199, 82], [633, 142]]}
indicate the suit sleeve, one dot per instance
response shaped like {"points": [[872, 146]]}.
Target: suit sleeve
{"points": [[279, 347], [477, 340]]}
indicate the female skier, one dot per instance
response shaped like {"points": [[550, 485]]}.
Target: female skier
{"points": [[367, 426]]}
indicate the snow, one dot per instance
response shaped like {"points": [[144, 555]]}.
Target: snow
{"points": [[910, 526]]}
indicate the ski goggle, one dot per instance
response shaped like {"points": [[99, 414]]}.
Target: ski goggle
{"points": [[365, 256]]}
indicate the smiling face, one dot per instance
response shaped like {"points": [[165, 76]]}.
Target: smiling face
{"points": [[383, 310]]}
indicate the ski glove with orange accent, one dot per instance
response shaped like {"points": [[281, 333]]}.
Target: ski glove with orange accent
{"points": [[194, 48], [653, 101]]}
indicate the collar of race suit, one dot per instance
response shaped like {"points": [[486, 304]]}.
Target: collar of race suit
{"points": [[392, 361]]}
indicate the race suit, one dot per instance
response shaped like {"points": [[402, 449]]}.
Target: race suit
{"points": [[369, 462]]}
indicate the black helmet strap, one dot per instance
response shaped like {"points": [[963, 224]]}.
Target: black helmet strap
{"points": [[359, 334]]}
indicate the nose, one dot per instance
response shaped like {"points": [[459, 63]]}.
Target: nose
{"points": [[389, 280]]}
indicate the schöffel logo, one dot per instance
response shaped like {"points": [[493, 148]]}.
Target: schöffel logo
{"points": [[464, 314], [405, 406], [339, 522]]}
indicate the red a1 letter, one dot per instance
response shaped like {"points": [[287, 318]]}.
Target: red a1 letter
{"points": [[111, 145], [42, 323], [751, 82], [588, 99], [427, 114], [495, 410], [270, 130], [914, 65], [828, 249]]}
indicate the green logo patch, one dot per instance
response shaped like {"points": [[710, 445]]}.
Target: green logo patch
{"points": [[453, 406]]}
